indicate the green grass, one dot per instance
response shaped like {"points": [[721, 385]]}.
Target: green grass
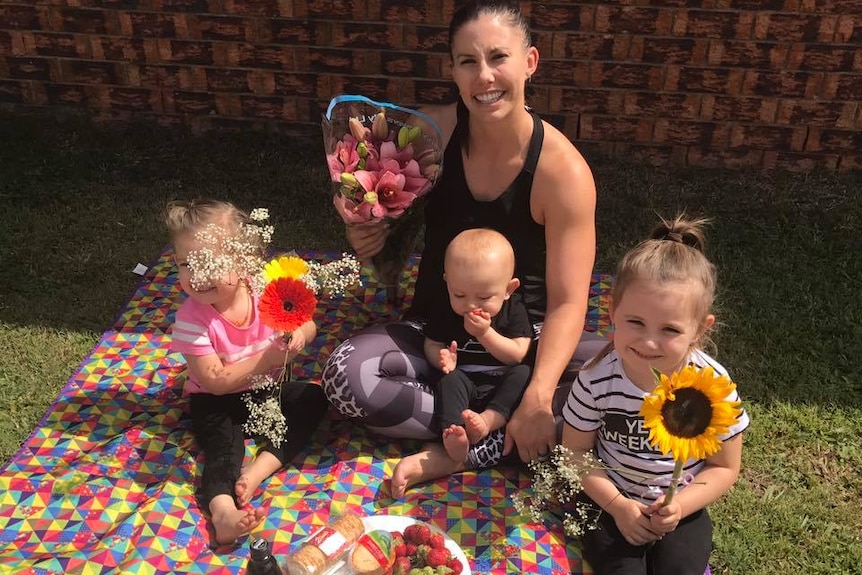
{"points": [[79, 208]]}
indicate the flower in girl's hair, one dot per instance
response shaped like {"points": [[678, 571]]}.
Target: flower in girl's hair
{"points": [[688, 411], [285, 267], [286, 304]]}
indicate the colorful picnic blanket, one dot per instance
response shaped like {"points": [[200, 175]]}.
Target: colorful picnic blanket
{"points": [[105, 484]]}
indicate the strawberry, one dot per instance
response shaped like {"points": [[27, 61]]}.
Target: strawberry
{"points": [[417, 533], [402, 566], [436, 541], [455, 565], [399, 547], [438, 556], [409, 550], [421, 557]]}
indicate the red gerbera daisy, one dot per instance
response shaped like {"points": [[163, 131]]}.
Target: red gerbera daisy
{"points": [[286, 304]]}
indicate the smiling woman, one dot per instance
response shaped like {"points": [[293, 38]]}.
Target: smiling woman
{"points": [[504, 169]]}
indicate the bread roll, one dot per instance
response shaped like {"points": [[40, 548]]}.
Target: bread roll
{"points": [[326, 546]]}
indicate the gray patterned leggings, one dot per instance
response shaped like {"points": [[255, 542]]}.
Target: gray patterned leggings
{"points": [[380, 378]]}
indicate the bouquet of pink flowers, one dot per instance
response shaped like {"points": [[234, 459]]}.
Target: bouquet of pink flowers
{"points": [[382, 158]]}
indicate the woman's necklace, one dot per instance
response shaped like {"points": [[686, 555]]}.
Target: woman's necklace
{"points": [[248, 304]]}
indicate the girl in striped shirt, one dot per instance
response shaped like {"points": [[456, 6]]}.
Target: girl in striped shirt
{"points": [[661, 311]]}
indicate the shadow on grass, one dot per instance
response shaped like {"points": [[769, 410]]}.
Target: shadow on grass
{"points": [[82, 207]]}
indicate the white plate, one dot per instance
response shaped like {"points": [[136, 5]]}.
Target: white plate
{"points": [[399, 522]]}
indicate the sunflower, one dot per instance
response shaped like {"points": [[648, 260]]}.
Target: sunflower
{"points": [[688, 411], [285, 267], [286, 304]]}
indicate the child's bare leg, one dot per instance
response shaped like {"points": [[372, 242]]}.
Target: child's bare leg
{"points": [[230, 522], [431, 463], [264, 465], [455, 442], [479, 425]]}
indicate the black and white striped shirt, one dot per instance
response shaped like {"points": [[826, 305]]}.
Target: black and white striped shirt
{"points": [[605, 400]]}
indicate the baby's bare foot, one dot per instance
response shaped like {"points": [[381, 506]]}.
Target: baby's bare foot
{"points": [[476, 426], [455, 442], [244, 489]]}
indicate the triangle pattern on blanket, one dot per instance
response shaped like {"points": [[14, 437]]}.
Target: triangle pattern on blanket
{"points": [[105, 484]]}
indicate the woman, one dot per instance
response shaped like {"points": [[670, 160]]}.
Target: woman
{"points": [[505, 169]]}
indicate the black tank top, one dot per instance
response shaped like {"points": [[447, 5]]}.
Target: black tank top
{"points": [[451, 209]]}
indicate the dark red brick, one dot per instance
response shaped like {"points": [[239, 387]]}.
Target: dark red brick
{"points": [[19, 17], [301, 32], [674, 51], [64, 94], [160, 76], [87, 72], [228, 28], [186, 52], [136, 99], [61, 45], [724, 158], [404, 64], [830, 140], [194, 102], [399, 11], [746, 54], [114, 48], [689, 132], [781, 83], [615, 128], [6, 42], [151, 25], [585, 101], [780, 27], [713, 24], [268, 57], [374, 88], [708, 80], [85, 21], [13, 92], [656, 105], [29, 68], [198, 6], [850, 161], [316, 59], [550, 16], [739, 109], [656, 155], [427, 38], [780, 160], [849, 87], [435, 91], [825, 58], [367, 36], [788, 138], [640, 76], [831, 6], [252, 7], [556, 72], [301, 85], [633, 20], [339, 10], [227, 80], [817, 113], [258, 107], [587, 46]]}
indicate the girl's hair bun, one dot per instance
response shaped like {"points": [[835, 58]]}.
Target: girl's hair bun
{"points": [[682, 230]]}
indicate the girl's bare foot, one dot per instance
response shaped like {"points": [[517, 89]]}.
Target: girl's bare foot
{"points": [[431, 463], [230, 522], [476, 426], [264, 465], [455, 442]]}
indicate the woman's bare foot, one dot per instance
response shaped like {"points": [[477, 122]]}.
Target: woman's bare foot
{"points": [[230, 522], [476, 426], [455, 442], [432, 462], [264, 465]]}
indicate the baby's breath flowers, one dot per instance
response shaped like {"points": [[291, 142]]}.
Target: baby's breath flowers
{"points": [[556, 484], [265, 417]]}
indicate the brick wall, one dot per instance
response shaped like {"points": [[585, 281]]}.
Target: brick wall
{"points": [[771, 83]]}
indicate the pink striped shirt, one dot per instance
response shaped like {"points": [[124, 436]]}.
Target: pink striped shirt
{"points": [[200, 330]]}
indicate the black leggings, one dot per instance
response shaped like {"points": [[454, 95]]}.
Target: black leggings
{"points": [[683, 551], [459, 390], [217, 422]]}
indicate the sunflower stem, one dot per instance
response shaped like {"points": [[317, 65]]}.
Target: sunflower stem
{"points": [[674, 482]]}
